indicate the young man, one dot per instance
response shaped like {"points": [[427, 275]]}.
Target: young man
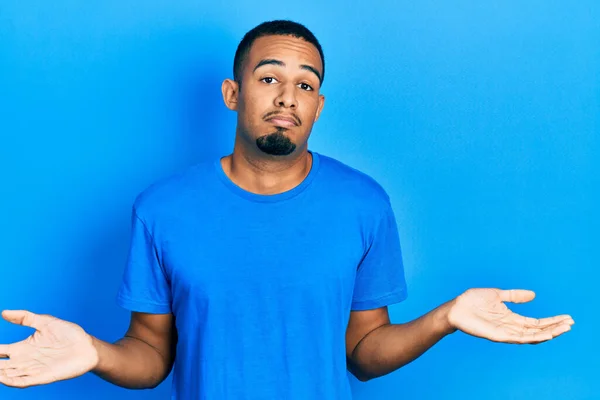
{"points": [[267, 273]]}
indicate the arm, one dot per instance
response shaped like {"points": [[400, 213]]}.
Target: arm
{"points": [[60, 350], [144, 357], [375, 347]]}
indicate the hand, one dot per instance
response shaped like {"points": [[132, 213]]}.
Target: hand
{"points": [[56, 351], [482, 313]]}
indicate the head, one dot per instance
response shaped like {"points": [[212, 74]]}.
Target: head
{"points": [[278, 71]]}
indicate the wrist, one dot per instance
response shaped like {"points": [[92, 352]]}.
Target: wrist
{"points": [[96, 344], [444, 318]]}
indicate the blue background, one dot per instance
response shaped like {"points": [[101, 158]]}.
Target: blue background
{"points": [[481, 120]]}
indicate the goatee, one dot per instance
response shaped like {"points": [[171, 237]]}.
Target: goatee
{"points": [[276, 144]]}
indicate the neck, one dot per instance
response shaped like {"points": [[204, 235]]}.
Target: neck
{"points": [[264, 174]]}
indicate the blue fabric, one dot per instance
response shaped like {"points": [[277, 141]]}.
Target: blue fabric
{"points": [[262, 286]]}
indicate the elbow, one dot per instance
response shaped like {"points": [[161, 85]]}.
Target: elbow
{"points": [[359, 373], [160, 373], [155, 383], [165, 372], [363, 377]]}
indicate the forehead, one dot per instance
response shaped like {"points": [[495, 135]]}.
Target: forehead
{"points": [[284, 47]]}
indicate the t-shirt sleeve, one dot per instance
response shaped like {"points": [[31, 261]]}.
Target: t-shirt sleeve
{"points": [[144, 287], [380, 277]]}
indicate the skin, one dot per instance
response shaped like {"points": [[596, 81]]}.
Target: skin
{"points": [[271, 90], [268, 158]]}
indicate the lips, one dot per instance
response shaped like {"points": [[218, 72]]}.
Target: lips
{"points": [[283, 121]]}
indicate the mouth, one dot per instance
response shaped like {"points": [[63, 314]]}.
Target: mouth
{"points": [[283, 121]]}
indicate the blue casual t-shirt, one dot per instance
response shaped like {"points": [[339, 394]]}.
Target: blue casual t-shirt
{"points": [[261, 286]]}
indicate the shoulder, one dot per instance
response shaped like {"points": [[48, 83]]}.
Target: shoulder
{"points": [[353, 183], [171, 191]]}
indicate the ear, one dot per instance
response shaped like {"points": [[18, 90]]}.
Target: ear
{"points": [[320, 106], [230, 90]]}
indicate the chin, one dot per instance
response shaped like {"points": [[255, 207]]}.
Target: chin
{"points": [[276, 144]]}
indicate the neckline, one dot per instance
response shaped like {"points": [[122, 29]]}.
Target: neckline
{"points": [[268, 198]]}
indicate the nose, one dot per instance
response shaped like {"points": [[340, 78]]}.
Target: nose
{"points": [[287, 97]]}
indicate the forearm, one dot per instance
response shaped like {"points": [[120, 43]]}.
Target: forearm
{"points": [[392, 346], [130, 363]]}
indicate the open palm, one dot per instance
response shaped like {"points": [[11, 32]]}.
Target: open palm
{"points": [[482, 313], [57, 350]]}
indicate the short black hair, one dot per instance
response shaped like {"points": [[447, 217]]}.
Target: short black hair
{"points": [[277, 27]]}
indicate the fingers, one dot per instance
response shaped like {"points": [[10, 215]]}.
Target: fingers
{"points": [[5, 350], [543, 322], [516, 295], [12, 350], [7, 365], [533, 335], [12, 372], [21, 381], [24, 375]]}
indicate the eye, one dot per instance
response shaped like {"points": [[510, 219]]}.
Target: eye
{"points": [[268, 79], [306, 86]]}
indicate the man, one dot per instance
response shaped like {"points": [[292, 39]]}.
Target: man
{"points": [[265, 274]]}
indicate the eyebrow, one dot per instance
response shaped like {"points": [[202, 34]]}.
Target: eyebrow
{"points": [[272, 61]]}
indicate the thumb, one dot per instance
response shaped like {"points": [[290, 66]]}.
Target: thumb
{"points": [[517, 295], [23, 317]]}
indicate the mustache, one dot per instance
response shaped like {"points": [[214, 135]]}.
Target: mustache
{"points": [[272, 114]]}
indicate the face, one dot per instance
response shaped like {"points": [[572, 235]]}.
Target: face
{"points": [[278, 101]]}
